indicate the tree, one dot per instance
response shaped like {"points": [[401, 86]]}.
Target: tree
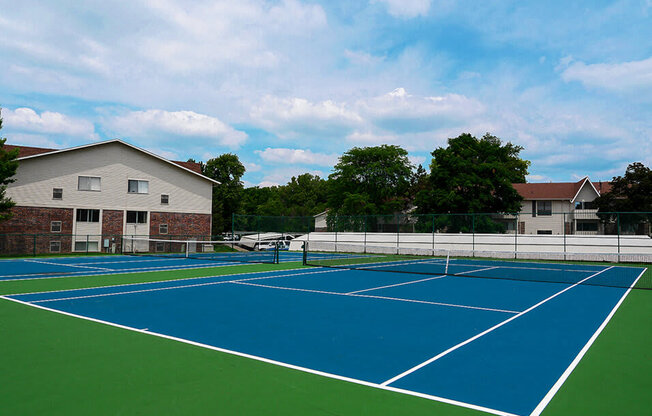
{"points": [[473, 175], [8, 166], [631, 193], [370, 180], [227, 196]]}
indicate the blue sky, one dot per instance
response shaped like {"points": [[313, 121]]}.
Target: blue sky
{"points": [[289, 85]]}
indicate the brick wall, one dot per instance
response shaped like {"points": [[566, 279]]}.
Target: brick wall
{"points": [[180, 223], [35, 221], [112, 222]]}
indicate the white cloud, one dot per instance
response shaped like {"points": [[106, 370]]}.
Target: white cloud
{"points": [[252, 167], [417, 160], [297, 156], [48, 122], [178, 123], [400, 111], [291, 115], [406, 8], [619, 77], [282, 176]]}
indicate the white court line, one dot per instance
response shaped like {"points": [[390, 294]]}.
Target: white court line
{"points": [[547, 269], [555, 388], [274, 362], [124, 271], [167, 287], [135, 260], [452, 305], [485, 332], [475, 271], [67, 264], [396, 284]]}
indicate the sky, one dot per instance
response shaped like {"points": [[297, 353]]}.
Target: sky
{"points": [[290, 85]]}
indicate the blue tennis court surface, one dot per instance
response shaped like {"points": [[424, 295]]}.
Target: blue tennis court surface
{"points": [[40, 268], [496, 345]]}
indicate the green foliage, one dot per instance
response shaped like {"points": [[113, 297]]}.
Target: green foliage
{"points": [[227, 196], [8, 166], [371, 180], [303, 195], [631, 192], [473, 175]]}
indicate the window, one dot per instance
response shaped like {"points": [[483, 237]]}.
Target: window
{"points": [[587, 225], [165, 199], [544, 208], [546, 232], [86, 246], [55, 226], [584, 205], [88, 183], [160, 247], [136, 217], [57, 193], [138, 187], [55, 246], [88, 215], [163, 229]]}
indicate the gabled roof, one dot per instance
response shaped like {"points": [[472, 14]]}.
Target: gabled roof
{"points": [[559, 190], [27, 152]]}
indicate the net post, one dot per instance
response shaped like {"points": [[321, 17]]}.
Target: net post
{"points": [[364, 247], [563, 225], [305, 253]]}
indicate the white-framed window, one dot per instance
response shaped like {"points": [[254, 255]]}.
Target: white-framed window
{"points": [[165, 199], [88, 215], [136, 217], [55, 246], [162, 228], [89, 183], [57, 193], [55, 226], [136, 186], [87, 246], [544, 208]]}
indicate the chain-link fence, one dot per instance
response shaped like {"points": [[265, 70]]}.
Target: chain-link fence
{"points": [[582, 234]]}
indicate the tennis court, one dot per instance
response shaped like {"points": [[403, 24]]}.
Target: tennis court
{"points": [[502, 344]]}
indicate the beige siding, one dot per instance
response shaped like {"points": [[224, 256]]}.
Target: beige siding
{"points": [[555, 222], [115, 164]]}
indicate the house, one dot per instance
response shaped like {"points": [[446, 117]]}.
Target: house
{"points": [[85, 198], [560, 207]]}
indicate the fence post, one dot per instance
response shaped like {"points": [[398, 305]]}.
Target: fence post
{"points": [[618, 228], [34, 245], [398, 233], [337, 221], [564, 231], [473, 234], [232, 226], [516, 238], [433, 235], [87, 239], [364, 247]]}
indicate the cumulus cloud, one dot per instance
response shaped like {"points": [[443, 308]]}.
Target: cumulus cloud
{"points": [[406, 8], [283, 175], [297, 156], [292, 115], [177, 123], [618, 77], [48, 122], [400, 111]]}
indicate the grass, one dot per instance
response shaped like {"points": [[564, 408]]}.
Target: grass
{"points": [[56, 364]]}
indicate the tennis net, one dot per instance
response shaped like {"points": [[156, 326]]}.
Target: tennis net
{"points": [[258, 252], [567, 268]]}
